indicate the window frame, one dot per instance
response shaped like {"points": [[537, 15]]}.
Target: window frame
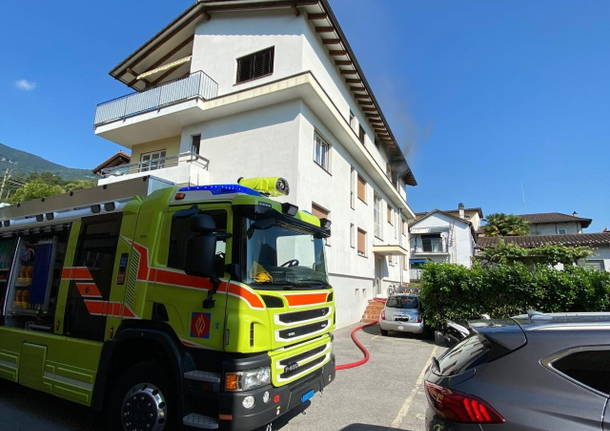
{"points": [[316, 207], [549, 361], [253, 54], [352, 235], [364, 197], [364, 251], [377, 217], [196, 143], [361, 134], [352, 188], [390, 215], [319, 141], [160, 161]]}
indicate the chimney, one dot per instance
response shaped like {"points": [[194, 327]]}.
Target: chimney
{"points": [[574, 214], [461, 209]]}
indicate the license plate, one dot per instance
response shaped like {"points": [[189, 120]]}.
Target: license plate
{"points": [[307, 395]]}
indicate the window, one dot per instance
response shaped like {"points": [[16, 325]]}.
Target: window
{"points": [[321, 213], [181, 232], [352, 119], [432, 243], [377, 143], [255, 65], [352, 235], [404, 228], [562, 231], [361, 189], [361, 134], [321, 152], [597, 265], [590, 368], [195, 143], [153, 160], [403, 301], [361, 242], [352, 194], [390, 215], [377, 217]]}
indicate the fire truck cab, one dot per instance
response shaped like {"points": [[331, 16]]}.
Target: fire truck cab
{"points": [[204, 307]]}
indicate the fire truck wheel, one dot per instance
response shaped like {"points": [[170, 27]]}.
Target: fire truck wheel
{"points": [[142, 400]]}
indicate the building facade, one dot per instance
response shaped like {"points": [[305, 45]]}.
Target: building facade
{"points": [[443, 236], [247, 88]]}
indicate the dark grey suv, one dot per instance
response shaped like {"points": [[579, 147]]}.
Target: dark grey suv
{"points": [[531, 372]]}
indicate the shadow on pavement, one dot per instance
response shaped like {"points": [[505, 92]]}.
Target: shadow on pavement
{"points": [[22, 408], [373, 330], [368, 427]]}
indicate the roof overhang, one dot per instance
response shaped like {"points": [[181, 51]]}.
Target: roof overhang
{"points": [[150, 64], [390, 250]]}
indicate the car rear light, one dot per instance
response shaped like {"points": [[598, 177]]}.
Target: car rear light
{"points": [[382, 315], [420, 319], [458, 407]]}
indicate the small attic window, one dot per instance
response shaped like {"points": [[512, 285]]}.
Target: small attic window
{"points": [[255, 65]]}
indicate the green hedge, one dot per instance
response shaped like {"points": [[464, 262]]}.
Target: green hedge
{"points": [[454, 292]]}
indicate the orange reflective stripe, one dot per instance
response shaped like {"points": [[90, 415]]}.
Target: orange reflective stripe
{"points": [[306, 299], [252, 298], [76, 273]]}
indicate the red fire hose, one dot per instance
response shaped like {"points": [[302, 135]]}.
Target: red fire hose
{"points": [[360, 346]]}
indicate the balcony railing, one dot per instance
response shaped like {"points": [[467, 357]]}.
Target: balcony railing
{"points": [[196, 85], [153, 165]]}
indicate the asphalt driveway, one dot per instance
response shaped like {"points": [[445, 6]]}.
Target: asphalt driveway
{"points": [[384, 394]]}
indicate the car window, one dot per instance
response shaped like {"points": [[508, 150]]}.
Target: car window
{"points": [[463, 355], [402, 302], [591, 368]]}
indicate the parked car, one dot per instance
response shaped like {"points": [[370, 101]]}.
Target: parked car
{"points": [[402, 313], [530, 372]]}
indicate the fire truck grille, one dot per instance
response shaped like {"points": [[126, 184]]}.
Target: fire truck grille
{"points": [[298, 370], [300, 316], [302, 356], [292, 333]]}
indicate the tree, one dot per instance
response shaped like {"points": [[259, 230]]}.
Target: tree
{"points": [[500, 224], [544, 255], [79, 185], [34, 190]]}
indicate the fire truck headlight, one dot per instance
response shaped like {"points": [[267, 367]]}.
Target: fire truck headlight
{"points": [[245, 380]]}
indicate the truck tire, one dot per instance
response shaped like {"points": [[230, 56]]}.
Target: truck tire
{"points": [[142, 399]]}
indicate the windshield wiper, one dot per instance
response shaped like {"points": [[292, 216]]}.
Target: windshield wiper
{"points": [[313, 280]]}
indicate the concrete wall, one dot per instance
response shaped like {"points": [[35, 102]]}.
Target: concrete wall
{"points": [[170, 145], [554, 228]]}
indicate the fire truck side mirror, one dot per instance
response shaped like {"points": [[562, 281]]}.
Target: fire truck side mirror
{"points": [[201, 247], [200, 255]]}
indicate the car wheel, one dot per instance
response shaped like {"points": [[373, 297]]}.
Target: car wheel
{"points": [[142, 399], [384, 332]]}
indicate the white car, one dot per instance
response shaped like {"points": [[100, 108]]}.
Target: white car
{"points": [[402, 314]]}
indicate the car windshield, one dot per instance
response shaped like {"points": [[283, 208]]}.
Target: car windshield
{"points": [[402, 302], [279, 254]]}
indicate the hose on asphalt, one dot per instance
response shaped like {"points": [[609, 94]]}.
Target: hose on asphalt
{"points": [[360, 346]]}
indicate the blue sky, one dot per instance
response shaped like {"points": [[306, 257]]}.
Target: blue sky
{"points": [[500, 104]]}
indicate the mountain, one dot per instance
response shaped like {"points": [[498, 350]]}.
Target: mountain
{"points": [[27, 163]]}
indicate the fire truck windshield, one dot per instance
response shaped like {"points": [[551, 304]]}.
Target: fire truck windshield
{"points": [[280, 255]]}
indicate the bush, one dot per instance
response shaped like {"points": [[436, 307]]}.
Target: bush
{"points": [[454, 292]]}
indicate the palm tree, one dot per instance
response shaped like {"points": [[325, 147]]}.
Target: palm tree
{"points": [[500, 224]]}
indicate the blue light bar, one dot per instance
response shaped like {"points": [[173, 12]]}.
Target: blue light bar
{"points": [[222, 189]]}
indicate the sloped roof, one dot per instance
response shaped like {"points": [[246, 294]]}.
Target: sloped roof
{"points": [[115, 160], [542, 218], [601, 239], [176, 40], [466, 210]]}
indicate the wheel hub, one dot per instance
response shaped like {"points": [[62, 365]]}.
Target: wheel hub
{"points": [[144, 409]]}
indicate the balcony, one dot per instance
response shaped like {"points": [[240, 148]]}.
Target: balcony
{"points": [[185, 168], [198, 85]]}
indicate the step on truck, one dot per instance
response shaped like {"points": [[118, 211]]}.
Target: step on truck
{"points": [[202, 307]]}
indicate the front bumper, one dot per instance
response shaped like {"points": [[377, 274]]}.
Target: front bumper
{"points": [[392, 325], [281, 400]]}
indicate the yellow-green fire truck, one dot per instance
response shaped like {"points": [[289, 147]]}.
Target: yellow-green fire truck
{"points": [[204, 307]]}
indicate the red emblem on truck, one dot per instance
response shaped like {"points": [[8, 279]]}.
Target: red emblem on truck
{"points": [[200, 325]]}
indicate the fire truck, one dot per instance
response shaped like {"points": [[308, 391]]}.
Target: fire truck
{"points": [[168, 307]]}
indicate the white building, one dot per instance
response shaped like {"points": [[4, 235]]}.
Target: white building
{"points": [[443, 236], [242, 88], [555, 223]]}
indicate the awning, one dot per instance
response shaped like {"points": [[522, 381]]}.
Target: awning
{"points": [[390, 250], [419, 260]]}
